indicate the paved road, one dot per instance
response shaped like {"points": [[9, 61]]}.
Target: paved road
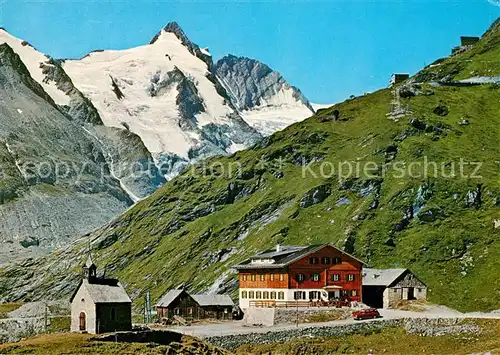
{"points": [[238, 327]]}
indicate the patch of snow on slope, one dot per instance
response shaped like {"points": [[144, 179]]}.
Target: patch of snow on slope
{"points": [[317, 107], [236, 148], [205, 51], [276, 113], [154, 119], [32, 59], [18, 166]]}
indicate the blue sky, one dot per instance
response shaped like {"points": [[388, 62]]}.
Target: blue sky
{"points": [[329, 49]]}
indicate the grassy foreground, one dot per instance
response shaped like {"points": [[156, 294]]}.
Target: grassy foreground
{"points": [[386, 341], [65, 343], [389, 341]]}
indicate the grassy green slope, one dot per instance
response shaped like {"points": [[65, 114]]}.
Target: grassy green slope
{"points": [[194, 228], [457, 254]]}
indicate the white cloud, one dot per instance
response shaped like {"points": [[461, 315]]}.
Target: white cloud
{"points": [[494, 2]]}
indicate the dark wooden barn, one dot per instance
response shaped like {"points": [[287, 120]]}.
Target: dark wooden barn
{"points": [[192, 307]]}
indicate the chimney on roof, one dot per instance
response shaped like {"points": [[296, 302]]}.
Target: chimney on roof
{"points": [[278, 248]]}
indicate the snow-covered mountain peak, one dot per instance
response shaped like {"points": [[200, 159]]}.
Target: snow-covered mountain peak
{"points": [[165, 93], [175, 28], [170, 93], [37, 64]]}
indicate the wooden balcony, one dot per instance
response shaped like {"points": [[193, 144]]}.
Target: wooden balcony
{"points": [[299, 304]]}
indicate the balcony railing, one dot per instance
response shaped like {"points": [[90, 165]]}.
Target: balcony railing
{"points": [[299, 303]]}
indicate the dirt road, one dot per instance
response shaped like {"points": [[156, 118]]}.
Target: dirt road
{"points": [[238, 327]]}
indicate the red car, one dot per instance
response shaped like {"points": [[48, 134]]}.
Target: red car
{"points": [[368, 313]]}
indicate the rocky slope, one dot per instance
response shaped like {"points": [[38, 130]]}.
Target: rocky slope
{"points": [[58, 177], [395, 208], [264, 98]]}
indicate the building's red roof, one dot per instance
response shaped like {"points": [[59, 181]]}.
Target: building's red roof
{"points": [[285, 256]]}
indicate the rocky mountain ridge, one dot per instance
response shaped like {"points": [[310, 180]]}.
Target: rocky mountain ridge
{"points": [[262, 96], [133, 146], [56, 180], [169, 93]]}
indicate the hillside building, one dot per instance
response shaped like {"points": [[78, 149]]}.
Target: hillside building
{"points": [[398, 78], [99, 305], [469, 41], [382, 288], [198, 306], [466, 43], [289, 273]]}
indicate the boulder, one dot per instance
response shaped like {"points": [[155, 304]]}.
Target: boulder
{"points": [[390, 242], [333, 116], [401, 226], [441, 110], [315, 196], [474, 198], [429, 216], [408, 91], [279, 175], [416, 123]]}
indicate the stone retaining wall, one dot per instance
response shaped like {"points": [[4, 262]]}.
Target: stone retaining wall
{"points": [[259, 316], [420, 326], [274, 316], [290, 316], [12, 330]]}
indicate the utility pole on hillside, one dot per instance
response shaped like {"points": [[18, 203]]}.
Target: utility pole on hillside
{"points": [[46, 317], [147, 308]]}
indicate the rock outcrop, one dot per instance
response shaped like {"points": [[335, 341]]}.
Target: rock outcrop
{"points": [[262, 95]]}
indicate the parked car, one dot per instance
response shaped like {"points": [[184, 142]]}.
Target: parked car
{"points": [[368, 313]]}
